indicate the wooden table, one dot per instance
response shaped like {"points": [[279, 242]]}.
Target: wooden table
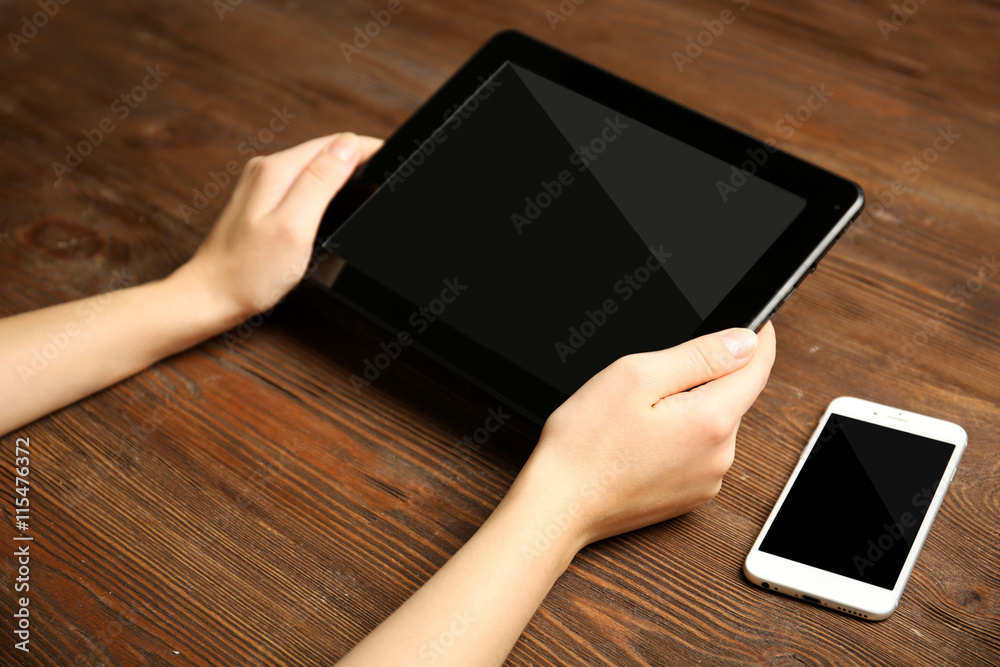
{"points": [[242, 504]]}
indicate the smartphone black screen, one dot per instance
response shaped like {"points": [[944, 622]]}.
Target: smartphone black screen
{"points": [[859, 500]]}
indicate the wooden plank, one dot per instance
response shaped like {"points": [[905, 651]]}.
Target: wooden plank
{"points": [[241, 503]]}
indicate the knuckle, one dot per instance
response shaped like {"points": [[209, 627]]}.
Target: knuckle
{"points": [[324, 169], [631, 370], [719, 421], [724, 460], [255, 164], [255, 169], [289, 232], [705, 359], [317, 171], [716, 427]]}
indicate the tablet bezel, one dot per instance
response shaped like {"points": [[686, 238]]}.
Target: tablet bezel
{"points": [[832, 202]]}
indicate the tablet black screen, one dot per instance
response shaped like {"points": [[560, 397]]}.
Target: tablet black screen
{"points": [[560, 233]]}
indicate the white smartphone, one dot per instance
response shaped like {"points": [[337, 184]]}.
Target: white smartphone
{"points": [[848, 527]]}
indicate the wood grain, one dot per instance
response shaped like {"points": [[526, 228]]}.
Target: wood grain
{"points": [[242, 504]]}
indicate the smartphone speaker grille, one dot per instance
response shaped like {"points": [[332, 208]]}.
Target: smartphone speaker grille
{"points": [[852, 612]]}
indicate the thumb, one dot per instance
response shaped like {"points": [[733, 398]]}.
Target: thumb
{"points": [[698, 361], [322, 177]]}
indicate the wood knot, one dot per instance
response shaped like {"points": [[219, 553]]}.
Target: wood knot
{"points": [[60, 239], [974, 600]]}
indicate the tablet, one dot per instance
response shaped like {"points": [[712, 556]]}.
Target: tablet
{"points": [[539, 217]]}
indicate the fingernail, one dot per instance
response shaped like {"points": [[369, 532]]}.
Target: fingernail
{"points": [[344, 146], [740, 342]]}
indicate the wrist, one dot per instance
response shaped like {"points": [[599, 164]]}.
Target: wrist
{"points": [[581, 495], [207, 309], [549, 515]]}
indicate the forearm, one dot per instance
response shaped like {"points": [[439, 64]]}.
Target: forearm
{"points": [[473, 610], [55, 356], [257, 251]]}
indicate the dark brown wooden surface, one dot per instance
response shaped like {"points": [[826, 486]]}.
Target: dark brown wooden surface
{"points": [[242, 504]]}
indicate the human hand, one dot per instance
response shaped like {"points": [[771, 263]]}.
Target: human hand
{"points": [[646, 439], [261, 244], [637, 444]]}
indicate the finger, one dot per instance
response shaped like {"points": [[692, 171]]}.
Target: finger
{"points": [[265, 186], [736, 392], [266, 180], [301, 154], [321, 178], [695, 362]]}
